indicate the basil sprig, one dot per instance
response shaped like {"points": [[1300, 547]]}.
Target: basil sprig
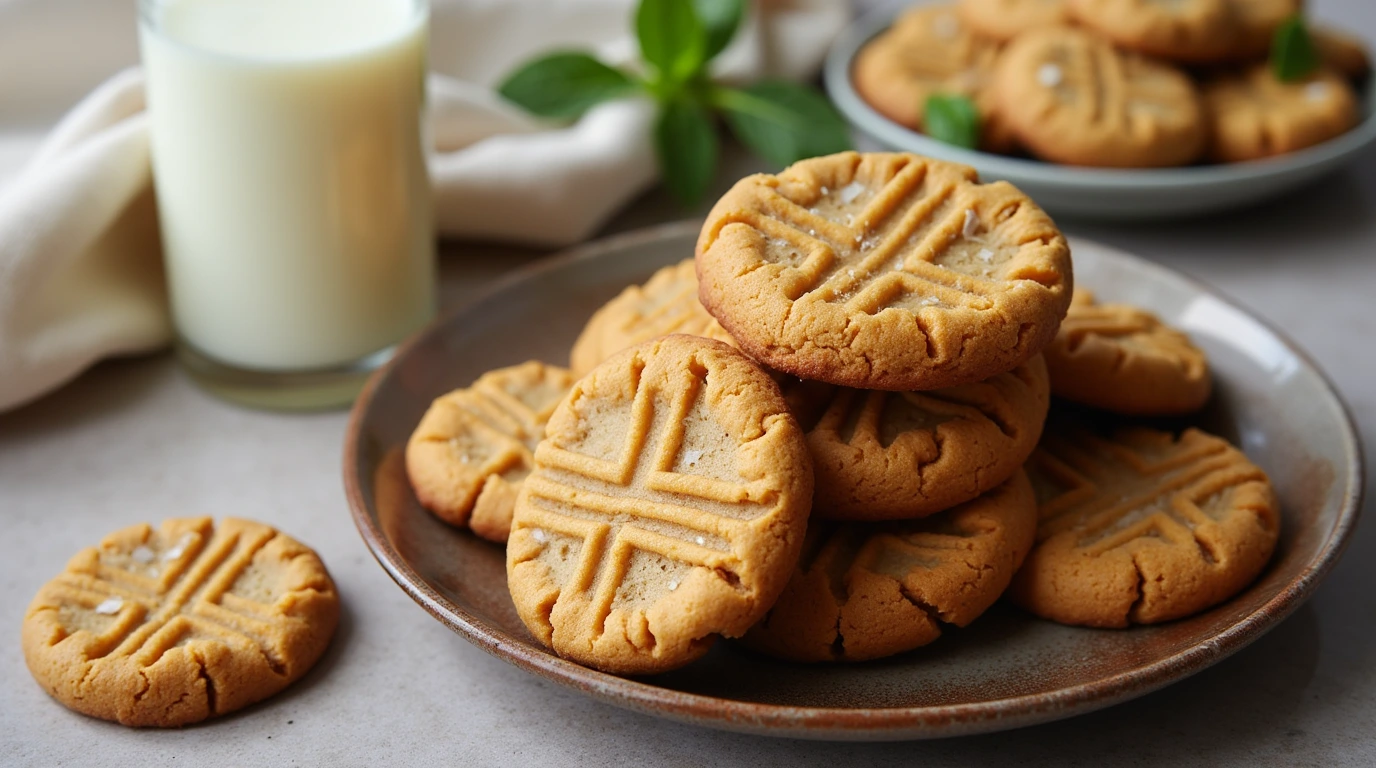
{"points": [[1293, 54], [780, 121], [952, 119]]}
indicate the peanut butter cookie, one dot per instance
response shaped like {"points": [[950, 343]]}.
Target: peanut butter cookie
{"points": [[1003, 20], [1073, 98], [667, 303], [667, 506], [1143, 528], [1346, 54], [1178, 30], [1254, 115], [883, 271], [473, 447], [930, 51], [866, 591], [1124, 359], [171, 626], [900, 455]]}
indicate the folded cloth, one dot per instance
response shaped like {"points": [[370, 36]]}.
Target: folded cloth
{"points": [[80, 260]]}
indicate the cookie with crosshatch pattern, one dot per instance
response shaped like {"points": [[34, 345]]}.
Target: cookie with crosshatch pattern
{"points": [[1255, 115], [667, 506], [1073, 98], [667, 303], [1124, 359], [899, 455], [929, 51], [169, 626], [1143, 527], [883, 271], [474, 446], [863, 591]]}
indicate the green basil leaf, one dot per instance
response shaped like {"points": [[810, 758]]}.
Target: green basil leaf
{"points": [[1293, 54], [686, 144], [672, 38], [783, 122], [565, 85], [720, 19], [952, 119]]}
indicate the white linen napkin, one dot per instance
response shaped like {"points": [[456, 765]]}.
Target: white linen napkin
{"points": [[80, 261]]}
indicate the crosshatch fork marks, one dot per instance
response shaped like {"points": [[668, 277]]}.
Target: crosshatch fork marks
{"points": [[585, 497]]}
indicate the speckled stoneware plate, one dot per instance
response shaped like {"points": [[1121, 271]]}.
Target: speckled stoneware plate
{"points": [[1007, 669], [1101, 193]]}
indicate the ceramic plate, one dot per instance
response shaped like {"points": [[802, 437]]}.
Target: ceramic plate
{"points": [[1007, 669], [1156, 193]]}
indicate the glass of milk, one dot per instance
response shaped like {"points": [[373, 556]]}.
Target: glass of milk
{"points": [[292, 188]]}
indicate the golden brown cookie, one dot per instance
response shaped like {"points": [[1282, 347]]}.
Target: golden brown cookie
{"points": [[1344, 53], [862, 591], [883, 271], [171, 626], [473, 447], [929, 51], [667, 303], [900, 455], [1178, 30], [667, 506], [1143, 528], [1003, 20], [1254, 115], [1073, 98], [1124, 359]]}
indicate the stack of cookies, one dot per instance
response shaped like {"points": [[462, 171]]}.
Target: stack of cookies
{"points": [[820, 435], [1118, 83]]}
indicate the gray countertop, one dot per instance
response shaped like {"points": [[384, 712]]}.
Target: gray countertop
{"points": [[133, 440]]}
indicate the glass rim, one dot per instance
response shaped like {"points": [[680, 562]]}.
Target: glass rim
{"points": [[150, 21]]}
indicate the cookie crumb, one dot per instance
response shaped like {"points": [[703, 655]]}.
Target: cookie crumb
{"points": [[851, 191], [110, 607], [1050, 75]]}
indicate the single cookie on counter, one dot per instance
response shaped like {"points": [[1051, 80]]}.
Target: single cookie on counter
{"points": [[901, 455], [1255, 115], [1193, 31], [1003, 20], [473, 447], [667, 303], [1124, 359], [1073, 98], [883, 271], [667, 506], [864, 591], [928, 52], [170, 626], [1143, 527]]}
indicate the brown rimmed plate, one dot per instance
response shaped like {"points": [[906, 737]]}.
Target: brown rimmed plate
{"points": [[1004, 671]]}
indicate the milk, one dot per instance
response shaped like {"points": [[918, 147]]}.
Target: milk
{"points": [[291, 178]]}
